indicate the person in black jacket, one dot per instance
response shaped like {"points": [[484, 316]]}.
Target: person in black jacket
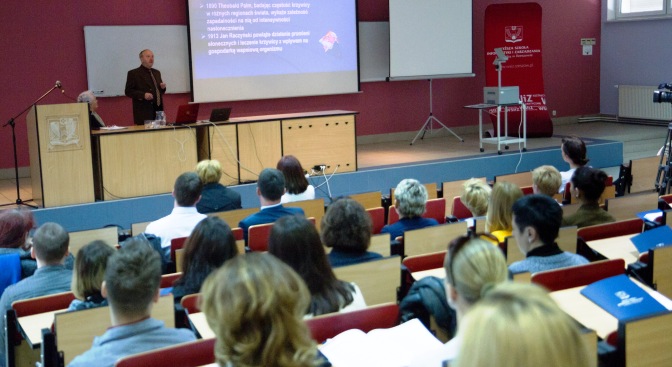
{"points": [[146, 88]]}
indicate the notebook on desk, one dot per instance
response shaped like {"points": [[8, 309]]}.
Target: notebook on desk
{"points": [[186, 114], [622, 298], [220, 114]]}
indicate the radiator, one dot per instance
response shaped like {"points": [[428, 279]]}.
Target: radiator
{"points": [[636, 101]]}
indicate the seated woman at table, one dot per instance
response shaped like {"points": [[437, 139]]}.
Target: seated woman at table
{"points": [[410, 200], [295, 241], [296, 183], [255, 305], [346, 229], [95, 121], [472, 265], [209, 246], [573, 151], [88, 274], [521, 326], [215, 197], [536, 224], [587, 186], [498, 219]]}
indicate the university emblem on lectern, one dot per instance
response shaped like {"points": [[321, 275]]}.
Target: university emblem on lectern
{"points": [[63, 132], [513, 34]]}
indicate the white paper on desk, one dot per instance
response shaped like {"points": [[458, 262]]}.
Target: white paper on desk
{"points": [[113, 127], [393, 347]]}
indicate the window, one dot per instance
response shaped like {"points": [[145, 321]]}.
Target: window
{"points": [[642, 8]]}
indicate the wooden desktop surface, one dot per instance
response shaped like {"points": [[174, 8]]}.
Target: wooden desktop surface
{"points": [[616, 248], [590, 314], [31, 326], [199, 323]]}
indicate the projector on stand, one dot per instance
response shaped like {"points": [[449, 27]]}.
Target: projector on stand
{"points": [[501, 95]]}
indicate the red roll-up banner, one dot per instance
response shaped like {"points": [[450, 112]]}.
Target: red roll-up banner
{"points": [[516, 28]]}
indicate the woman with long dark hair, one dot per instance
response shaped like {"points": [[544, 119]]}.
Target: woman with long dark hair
{"points": [[296, 182]]}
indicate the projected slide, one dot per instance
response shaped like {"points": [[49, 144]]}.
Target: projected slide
{"points": [[243, 50]]}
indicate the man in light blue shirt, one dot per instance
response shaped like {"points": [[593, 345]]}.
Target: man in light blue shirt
{"points": [[131, 287]]}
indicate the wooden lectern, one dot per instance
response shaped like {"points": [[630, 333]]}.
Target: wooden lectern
{"points": [[60, 154]]}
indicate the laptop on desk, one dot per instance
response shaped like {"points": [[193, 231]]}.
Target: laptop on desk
{"points": [[220, 114], [186, 114]]}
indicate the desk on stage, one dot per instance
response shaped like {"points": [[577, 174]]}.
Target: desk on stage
{"points": [[135, 162]]}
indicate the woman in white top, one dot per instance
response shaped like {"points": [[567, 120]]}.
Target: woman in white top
{"points": [[473, 266], [296, 182], [294, 240], [574, 153]]}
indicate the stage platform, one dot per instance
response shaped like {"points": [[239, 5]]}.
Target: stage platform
{"points": [[381, 166]]}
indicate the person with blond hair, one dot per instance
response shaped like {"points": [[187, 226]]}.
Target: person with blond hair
{"points": [[410, 201], [498, 219], [546, 180], [472, 266], [521, 326], [475, 196], [255, 304], [215, 197]]}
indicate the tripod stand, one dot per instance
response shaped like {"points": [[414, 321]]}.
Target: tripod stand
{"points": [[429, 123], [12, 123], [664, 170]]}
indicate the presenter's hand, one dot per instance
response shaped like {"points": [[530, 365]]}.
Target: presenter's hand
{"points": [[149, 97], [163, 85]]}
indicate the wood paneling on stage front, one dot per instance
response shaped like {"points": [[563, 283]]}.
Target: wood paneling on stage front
{"points": [[326, 140], [140, 162], [224, 148], [259, 147], [60, 154]]}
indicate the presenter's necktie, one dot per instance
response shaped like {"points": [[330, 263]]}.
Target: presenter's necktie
{"points": [[156, 86]]}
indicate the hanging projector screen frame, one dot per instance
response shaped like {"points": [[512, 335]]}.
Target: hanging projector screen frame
{"points": [[249, 50], [430, 39]]}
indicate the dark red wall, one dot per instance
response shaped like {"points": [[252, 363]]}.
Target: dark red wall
{"points": [[42, 42]]}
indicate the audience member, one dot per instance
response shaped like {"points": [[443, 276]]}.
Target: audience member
{"points": [[523, 327], [536, 222], [475, 196], [574, 153], [207, 248], [295, 241], [472, 266], [215, 197], [87, 277], [410, 200], [498, 220], [95, 121], [588, 186], [50, 249], [346, 228], [296, 182], [546, 180], [270, 187], [14, 228], [255, 305], [184, 217], [131, 286]]}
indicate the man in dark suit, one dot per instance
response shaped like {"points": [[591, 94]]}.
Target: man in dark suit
{"points": [[270, 187], [146, 88]]}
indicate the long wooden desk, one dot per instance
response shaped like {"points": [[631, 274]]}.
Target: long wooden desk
{"points": [[137, 162], [31, 326], [593, 316], [616, 248], [200, 324]]}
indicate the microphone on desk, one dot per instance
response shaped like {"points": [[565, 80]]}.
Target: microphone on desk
{"points": [[58, 84]]}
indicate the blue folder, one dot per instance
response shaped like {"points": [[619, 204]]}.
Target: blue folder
{"points": [[656, 237], [622, 298]]}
